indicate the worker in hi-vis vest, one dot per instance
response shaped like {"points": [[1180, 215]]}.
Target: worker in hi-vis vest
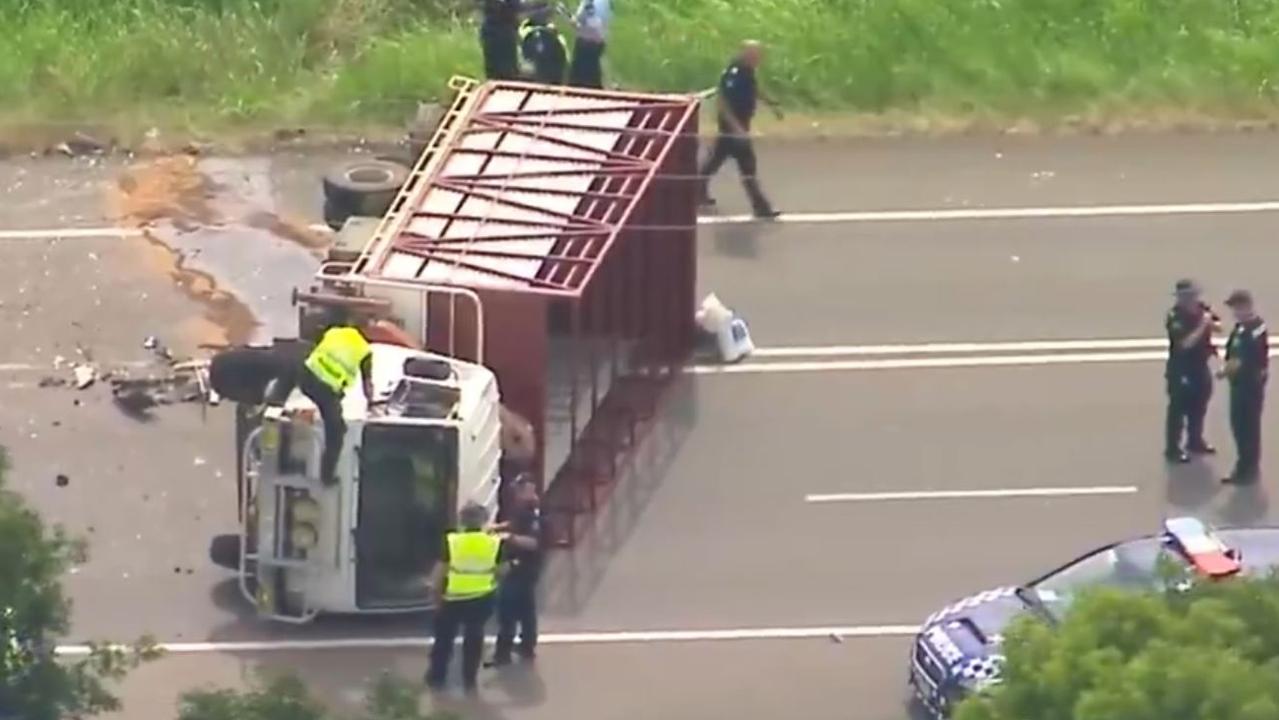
{"points": [[329, 371], [543, 48], [472, 562]]}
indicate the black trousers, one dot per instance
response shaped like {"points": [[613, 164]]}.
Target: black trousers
{"points": [[500, 45], [1246, 401], [469, 616], [1188, 396], [742, 151], [330, 406], [516, 610], [586, 68]]}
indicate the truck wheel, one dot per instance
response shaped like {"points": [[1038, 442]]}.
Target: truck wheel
{"points": [[224, 551], [362, 187]]}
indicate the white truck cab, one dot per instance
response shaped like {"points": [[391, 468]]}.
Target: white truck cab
{"points": [[367, 543]]}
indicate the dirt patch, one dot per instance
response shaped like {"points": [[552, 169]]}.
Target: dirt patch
{"points": [[225, 320], [169, 188]]}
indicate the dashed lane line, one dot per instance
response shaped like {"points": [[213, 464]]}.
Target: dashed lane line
{"points": [[581, 638]]}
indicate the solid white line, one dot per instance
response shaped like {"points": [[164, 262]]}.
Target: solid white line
{"points": [[69, 233], [825, 217], [29, 367], [1004, 213], [583, 638], [961, 347], [918, 363], [971, 494]]}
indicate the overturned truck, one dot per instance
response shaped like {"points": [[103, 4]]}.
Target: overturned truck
{"points": [[540, 256]]}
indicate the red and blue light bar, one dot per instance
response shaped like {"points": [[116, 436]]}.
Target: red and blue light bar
{"points": [[1202, 548]]}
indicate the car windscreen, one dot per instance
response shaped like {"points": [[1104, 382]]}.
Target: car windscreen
{"points": [[1129, 566]]}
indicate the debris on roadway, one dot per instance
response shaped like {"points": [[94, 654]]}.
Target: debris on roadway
{"points": [[732, 336]]}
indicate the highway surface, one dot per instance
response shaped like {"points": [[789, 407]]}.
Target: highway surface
{"points": [[944, 401]]}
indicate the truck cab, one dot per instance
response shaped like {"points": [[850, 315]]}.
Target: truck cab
{"points": [[368, 542]]}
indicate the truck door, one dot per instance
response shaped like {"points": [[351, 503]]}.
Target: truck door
{"points": [[408, 480]]}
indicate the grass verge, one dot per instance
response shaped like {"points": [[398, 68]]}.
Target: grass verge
{"points": [[218, 65]]}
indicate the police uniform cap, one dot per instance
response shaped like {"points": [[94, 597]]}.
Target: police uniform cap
{"points": [[1239, 297], [1186, 286]]}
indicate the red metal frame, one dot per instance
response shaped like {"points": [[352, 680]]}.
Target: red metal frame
{"points": [[616, 178], [599, 191]]}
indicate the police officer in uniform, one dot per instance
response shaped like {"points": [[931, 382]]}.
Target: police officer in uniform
{"points": [[1190, 324], [499, 37], [1247, 367], [544, 48], [739, 96], [517, 598], [465, 581]]}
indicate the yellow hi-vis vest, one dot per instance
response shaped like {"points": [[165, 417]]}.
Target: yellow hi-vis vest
{"points": [[336, 360], [528, 28], [472, 565]]}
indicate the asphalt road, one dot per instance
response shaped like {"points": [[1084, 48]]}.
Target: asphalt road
{"points": [[713, 531]]}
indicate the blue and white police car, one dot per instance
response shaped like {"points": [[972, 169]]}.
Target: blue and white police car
{"points": [[957, 650]]}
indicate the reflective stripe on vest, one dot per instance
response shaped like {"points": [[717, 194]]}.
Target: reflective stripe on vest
{"points": [[472, 565], [336, 360]]}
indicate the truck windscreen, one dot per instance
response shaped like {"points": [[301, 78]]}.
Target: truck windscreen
{"points": [[407, 486]]}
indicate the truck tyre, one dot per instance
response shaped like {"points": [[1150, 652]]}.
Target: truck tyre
{"points": [[361, 187], [224, 551]]}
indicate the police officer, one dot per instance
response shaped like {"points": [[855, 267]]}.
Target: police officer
{"points": [[499, 37], [591, 23], [739, 95], [1190, 324], [517, 598], [465, 580], [544, 48], [326, 375], [1247, 365]]}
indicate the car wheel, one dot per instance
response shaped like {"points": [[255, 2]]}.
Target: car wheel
{"points": [[224, 551], [362, 187]]}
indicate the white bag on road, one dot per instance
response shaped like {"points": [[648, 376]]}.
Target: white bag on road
{"points": [[732, 336]]}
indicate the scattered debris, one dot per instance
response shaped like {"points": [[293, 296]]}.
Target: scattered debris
{"points": [[732, 336], [1015, 258], [85, 376], [199, 461], [50, 381], [62, 480]]}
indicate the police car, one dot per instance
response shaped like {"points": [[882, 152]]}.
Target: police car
{"points": [[957, 651]]}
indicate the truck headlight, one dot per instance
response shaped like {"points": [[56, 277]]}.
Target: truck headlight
{"points": [[303, 536], [306, 510]]}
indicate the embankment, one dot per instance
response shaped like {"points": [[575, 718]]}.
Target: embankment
{"points": [[217, 65]]}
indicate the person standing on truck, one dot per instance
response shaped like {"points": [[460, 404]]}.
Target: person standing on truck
{"points": [[543, 48], [517, 597], [739, 96], [1247, 368], [465, 581], [1190, 324], [328, 372], [591, 22]]}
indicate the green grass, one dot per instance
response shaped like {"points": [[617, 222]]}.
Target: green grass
{"points": [[335, 63]]}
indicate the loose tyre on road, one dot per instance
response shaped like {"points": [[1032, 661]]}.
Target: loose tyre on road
{"points": [[362, 187]]}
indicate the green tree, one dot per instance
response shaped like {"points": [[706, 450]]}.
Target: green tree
{"points": [[1206, 652], [286, 698], [35, 684]]}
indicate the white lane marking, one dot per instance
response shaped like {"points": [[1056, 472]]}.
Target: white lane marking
{"points": [[1004, 213], [918, 363], [943, 348], [69, 233], [582, 638], [824, 217], [973, 494], [30, 367]]}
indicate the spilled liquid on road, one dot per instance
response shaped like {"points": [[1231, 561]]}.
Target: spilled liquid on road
{"points": [[212, 227]]}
